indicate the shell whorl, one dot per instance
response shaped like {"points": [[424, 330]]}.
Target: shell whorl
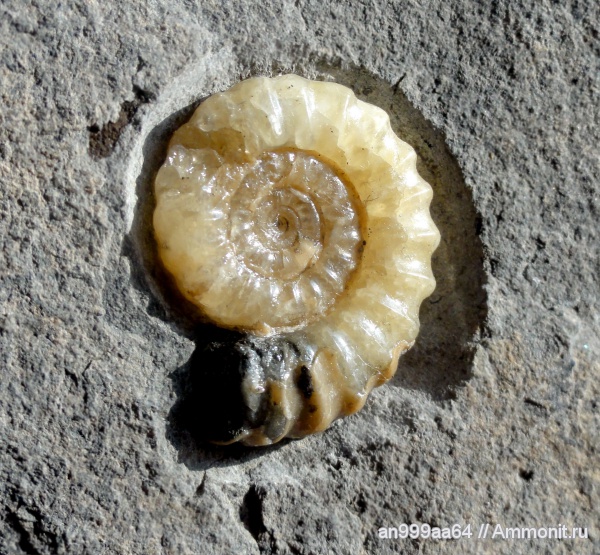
{"points": [[288, 209]]}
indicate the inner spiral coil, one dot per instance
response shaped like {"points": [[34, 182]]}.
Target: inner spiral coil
{"points": [[284, 235]]}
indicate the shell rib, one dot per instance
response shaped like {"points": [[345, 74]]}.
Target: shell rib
{"points": [[288, 210]]}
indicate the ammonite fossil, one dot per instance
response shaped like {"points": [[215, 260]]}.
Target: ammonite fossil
{"points": [[288, 211]]}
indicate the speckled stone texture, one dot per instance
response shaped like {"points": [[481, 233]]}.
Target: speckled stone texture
{"points": [[493, 416]]}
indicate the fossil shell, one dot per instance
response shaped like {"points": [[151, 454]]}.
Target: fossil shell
{"points": [[288, 210]]}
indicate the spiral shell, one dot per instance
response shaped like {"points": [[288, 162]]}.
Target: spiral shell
{"points": [[289, 211]]}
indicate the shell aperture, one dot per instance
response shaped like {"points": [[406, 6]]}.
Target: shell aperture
{"points": [[288, 211]]}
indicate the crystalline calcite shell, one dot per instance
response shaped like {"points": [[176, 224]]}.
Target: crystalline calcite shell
{"points": [[287, 209]]}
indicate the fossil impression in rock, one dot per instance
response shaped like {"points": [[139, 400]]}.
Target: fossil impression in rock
{"points": [[289, 212]]}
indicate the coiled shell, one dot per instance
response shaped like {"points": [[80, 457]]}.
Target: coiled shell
{"points": [[288, 210]]}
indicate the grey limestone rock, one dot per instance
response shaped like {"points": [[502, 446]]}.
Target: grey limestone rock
{"points": [[492, 417]]}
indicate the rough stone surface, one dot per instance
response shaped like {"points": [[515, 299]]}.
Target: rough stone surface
{"points": [[492, 418]]}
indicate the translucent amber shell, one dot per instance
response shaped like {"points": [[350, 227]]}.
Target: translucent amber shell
{"points": [[289, 210]]}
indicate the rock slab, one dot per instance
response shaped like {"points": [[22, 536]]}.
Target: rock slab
{"points": [[492, 418]]}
